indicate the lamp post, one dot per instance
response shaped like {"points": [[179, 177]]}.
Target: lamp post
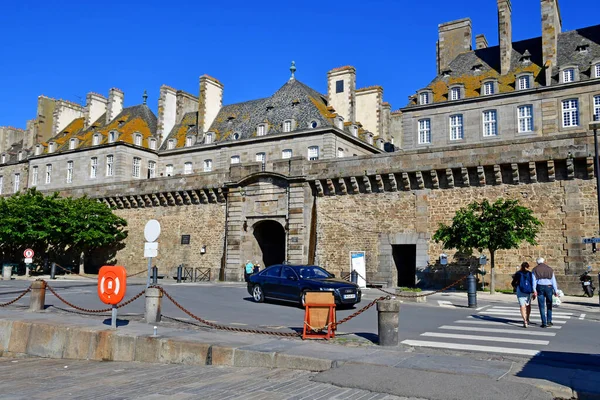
{"points": [[595, 125]]}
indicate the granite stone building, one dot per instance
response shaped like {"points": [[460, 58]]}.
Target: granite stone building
{"points": [[307, 177]]}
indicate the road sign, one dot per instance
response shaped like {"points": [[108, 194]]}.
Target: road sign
{"points": [[28, 260], [152, 230], [28, 253], [150, 249], [112, 283], [591, 240]]}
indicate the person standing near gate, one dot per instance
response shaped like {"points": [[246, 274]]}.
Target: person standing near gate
{"points": [[544, 286], [248, 269]]}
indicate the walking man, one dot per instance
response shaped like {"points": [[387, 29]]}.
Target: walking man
{"points": [[544, 284]]}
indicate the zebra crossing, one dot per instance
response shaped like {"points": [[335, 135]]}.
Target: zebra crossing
{"points": [[494, 330]]}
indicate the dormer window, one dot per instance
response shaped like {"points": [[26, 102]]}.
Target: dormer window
{"points": [[3, 159], [424, 98], [454, 93], [287, 125], [189, 141], [269, 108], [477, 68], [138, 139], [72, 143], [583, 48], [313, 124], [597, 70], [230, 119], [208, 139], [370, 138], [171, 144], [526, 57], [261, 130], [488, 88], [38, 150], [524, 82], [339, 122], [96, 139], [51, 147], [568, 75], [236, 135], [354, 130], [152, 144], [446, 73], [121, 123], [20, 156], [112, 137]]}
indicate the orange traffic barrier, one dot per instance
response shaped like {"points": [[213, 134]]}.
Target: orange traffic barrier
{"points": [[112, 284], [319, 316]]}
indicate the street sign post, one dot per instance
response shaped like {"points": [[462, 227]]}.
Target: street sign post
{"points": [[151, 233], [28, 254]]}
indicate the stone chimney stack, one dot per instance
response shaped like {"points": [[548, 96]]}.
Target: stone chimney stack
{"points": [[167, 111], [551, 27], [209, 102], [115, 104], [481, 42], [455, 37], [341, 92], [95, 107], [505, 34]]}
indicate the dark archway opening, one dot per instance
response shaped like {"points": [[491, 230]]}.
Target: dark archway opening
{"points": [[270, 236], [405, 258]]}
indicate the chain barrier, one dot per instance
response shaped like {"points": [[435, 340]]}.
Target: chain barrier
{"points": [[136, 274], [18, 297], [224, 327], [91, 311], [90, 277], [417, 295], [362, 310]]}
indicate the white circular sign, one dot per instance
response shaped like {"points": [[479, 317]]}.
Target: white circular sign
{"points": [[28, 253], [152, 230]]}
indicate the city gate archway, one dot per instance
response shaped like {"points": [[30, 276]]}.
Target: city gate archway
{"points": [[270, 237]]}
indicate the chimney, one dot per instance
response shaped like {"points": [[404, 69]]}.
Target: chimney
{"points": [[341, 92], [95, 107], [167, 111], [455, 37], [481, 42], [551, 27], [65, 112], [209, 102], [115, 104], [505, 34]]}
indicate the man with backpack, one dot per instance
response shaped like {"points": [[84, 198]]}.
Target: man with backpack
{"points": [[523, 284], [544, 284]]}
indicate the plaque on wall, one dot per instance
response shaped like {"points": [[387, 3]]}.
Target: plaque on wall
{"points": [[185, 239]]}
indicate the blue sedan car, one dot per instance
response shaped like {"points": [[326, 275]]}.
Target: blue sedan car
{"points": [[291, 282]]}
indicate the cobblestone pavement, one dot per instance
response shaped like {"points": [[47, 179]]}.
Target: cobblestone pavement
{"points": [[33, 378]]}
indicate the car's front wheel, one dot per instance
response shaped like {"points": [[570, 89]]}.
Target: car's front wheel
{"points": [[257, 294]]}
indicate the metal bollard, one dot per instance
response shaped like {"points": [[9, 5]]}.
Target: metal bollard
{"points": [[37, 299], [387, 321], [53, 271], [154, 275], [472, 290], [179, 273], [354, 277], [153, 305]]}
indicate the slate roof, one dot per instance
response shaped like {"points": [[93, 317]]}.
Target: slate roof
{"points": [[12, 153]]}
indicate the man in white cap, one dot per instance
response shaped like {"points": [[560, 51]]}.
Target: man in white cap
{"points": [[544, 286]]}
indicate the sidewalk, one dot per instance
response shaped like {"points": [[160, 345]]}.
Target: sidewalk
{"points": [[387, 370]]}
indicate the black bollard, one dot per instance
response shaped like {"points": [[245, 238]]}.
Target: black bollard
{"points": [[53, 271], [179, 271], [472, 290], [354, 277], [154, 275]]}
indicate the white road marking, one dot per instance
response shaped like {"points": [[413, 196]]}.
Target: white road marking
{"points": [[456, 346], [237, 323], [503, 323], [503, 309], [481, 308], [523, 331], [485, 338], [582, 316], [517, 313], [445, 303]]}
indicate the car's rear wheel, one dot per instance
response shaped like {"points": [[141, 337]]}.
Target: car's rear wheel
{"points": [[257, 294], [303, 299]]}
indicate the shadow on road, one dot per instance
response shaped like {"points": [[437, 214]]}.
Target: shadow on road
{"points": [[120, 322]]}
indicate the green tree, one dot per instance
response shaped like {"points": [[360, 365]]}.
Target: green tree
{"points": [[502, 225]]}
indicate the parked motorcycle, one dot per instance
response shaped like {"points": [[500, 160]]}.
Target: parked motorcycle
{"points": [[586, 282]]}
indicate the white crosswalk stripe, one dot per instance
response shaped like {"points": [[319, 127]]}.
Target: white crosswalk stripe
{"points": [[495, 324]]}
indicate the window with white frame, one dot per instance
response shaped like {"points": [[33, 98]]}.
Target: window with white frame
{"points": [[208, 139], [187, 168], [287, 126], [151, 169], [189, 141], [48, 173], [597, 70], [490, 123], [20, 156], [112, 137], [313, 153], [525, 115], [138, 140], [1, 183], [488, 88], [455, 93], [72, 143], [354, 130], [34, 176], [597, 107], [136, 167], [235, 159], [169, 170], [424, 98], [51, 147], [425, 131], [152, 144], [261, 130], [16, 183], [207, 165], [456, 127], [568, 75], [69, 171], [261, 157], [340, 152], [95, 140], [110, 159], [570, 113], [93, 167], [287, 153], [170, 144], [524, 82]]}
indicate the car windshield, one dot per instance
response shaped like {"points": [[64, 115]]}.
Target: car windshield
{"points": [[313, 273]]}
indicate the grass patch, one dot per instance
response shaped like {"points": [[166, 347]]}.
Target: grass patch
{"points": [[406, 289]]}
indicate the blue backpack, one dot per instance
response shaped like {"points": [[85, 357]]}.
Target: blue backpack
{"points": [[525, 282]]}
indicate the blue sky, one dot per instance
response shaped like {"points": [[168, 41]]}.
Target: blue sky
{"points": [[65, 49]]}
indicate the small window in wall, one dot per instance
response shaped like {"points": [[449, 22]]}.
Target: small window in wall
{"points": [[235, 159], [152, 144], [151, 169], [169, 170], [138, 140], [136, 168], [48, 173], [287, 126], [208, 139], [34, 176], [207, 165], [490, 123], [112, 137], [17, 183], [339, 86], [313, 124], [261, 157], [69, 171], [72, 144], [488, 88], [597, 70], [287, 153], [96, 140], [525, 118], [261, 130], [425, 131], [187, 168], [570, 112], [109, 164], [424, 98], [236, 136], [597, 108], [524, 82], [568, 75], [93, 167], [456, 127], [340, 153], [313, 153], [455, 93], [171, 144]]}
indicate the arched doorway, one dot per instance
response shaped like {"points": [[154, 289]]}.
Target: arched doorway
{"points": [[270, 236]]}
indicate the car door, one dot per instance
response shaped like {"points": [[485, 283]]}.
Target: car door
{"points": [[290, 284], [272, 281]]}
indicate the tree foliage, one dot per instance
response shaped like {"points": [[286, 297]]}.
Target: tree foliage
{"points": [[53, 225], [502, 225]]}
